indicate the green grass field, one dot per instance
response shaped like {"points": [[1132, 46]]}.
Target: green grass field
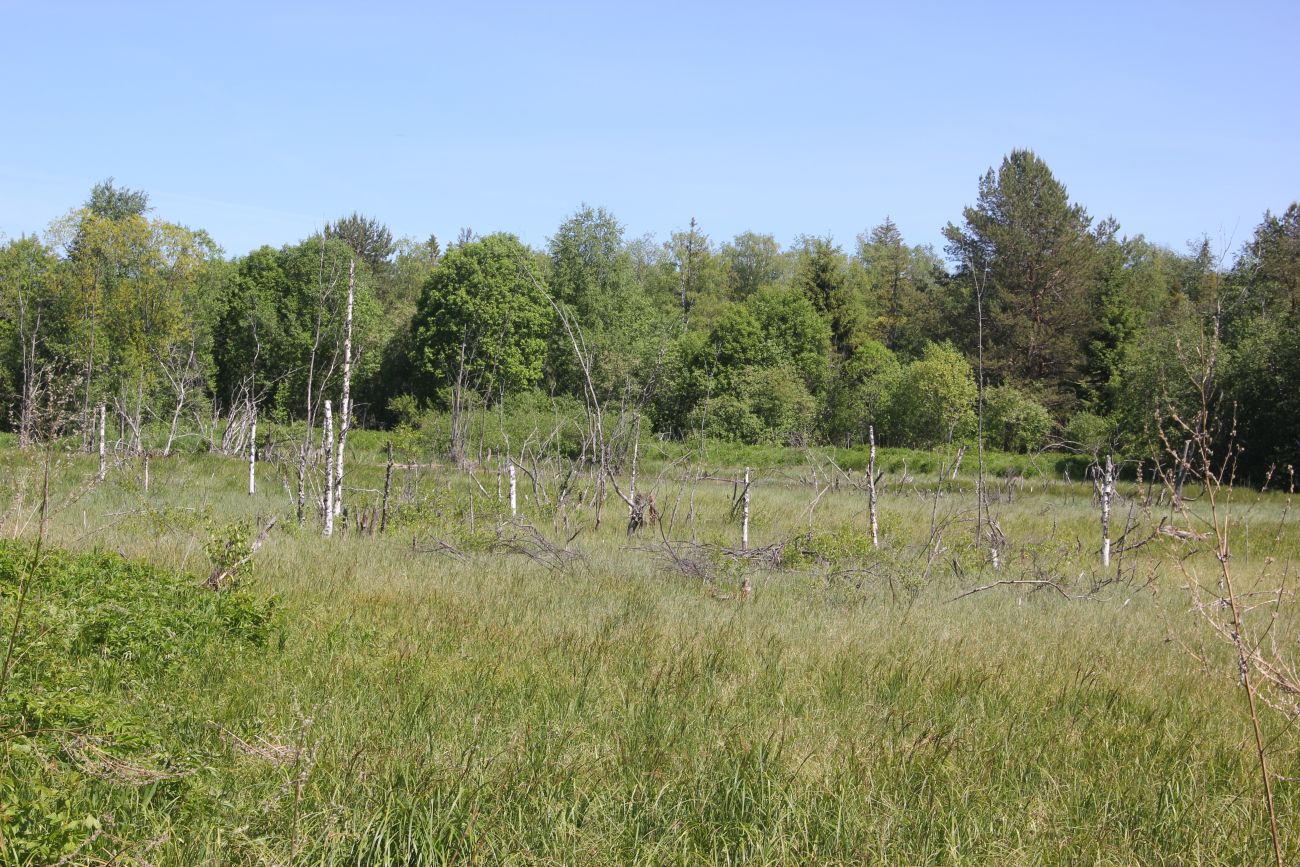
{"points": [[452, 694]]}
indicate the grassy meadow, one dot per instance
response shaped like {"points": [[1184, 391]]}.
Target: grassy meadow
{"points": [[464, 689]]}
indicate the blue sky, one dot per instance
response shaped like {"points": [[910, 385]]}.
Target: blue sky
{"points": [[260, 121]]}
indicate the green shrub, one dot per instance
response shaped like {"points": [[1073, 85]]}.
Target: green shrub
{"points": [[1090, 434], [1013, 421], [838, 547], [98, 634], [932, 400], [858, 392], [764, 405]]}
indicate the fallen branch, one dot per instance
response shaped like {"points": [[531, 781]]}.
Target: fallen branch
{"points": [[1025, 582]]}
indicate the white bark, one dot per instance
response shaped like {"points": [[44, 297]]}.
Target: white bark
{"points": [[871, 487], [252, 459], [180, 377], [103, 421], [514, 502], [744, 520], [345, 424], [302, 480], [1107, 491], [329, 468]]}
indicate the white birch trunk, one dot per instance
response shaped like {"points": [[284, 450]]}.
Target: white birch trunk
{"points": [[744, 519], [1107, 490], [514, 502], [103, 422], [871, 487], [345, 424], [329, 468], [252, 459]]}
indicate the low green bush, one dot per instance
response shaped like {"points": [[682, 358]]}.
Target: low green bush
{"points": [[97, 634]]}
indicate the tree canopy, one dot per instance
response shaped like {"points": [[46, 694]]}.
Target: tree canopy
{"points": [[1088, 336]]}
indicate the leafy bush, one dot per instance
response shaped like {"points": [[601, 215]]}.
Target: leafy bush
{"points": [[1015, 422], [1089, 433], [838, 547], [97, 634], [932, 400], [764, 405], [858, 392]]}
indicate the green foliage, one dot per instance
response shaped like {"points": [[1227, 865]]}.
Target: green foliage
{"points": [[1089, 434], [282, 325], [759, 405], [900, 280], [34, 316], [150, 319], [369, 239], [1014, 421], [858, 394], [822, 276], [932, 400], [796, 335], [752, 377], [529, 416], [590, 273], [589, 269], [230, 547], [1159, 379], [737, 342], [1134, 284], [482, 319], [691, 274], [754, 262], [837, 548], [134, 319], [116, 203], [1272, 262], [1261, 377], [1033, 255], [99, 634]]}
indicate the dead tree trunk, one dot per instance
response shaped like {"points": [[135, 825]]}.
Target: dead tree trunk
{"points": [[252, 458], [631, 486], [329, 468], [956, 464], [179, 375], [744, 513], [302, 482], [1181, 477], [514, 502], [103, 421], [388, 487], [345, 424], [1107, 491], [871, 487]]}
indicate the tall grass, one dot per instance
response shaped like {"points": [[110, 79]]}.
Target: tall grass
{"points": [[425, 708]]}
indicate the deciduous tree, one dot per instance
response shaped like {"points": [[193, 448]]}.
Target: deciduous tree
{"points": [[481, 324]]}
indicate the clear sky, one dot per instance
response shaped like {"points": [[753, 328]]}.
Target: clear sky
{"points": [[259, 122]]}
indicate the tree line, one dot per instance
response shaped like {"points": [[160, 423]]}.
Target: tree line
{"points": [[1085, 337]]}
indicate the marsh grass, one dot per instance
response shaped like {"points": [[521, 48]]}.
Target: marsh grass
{"points": [[426, 708]]}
